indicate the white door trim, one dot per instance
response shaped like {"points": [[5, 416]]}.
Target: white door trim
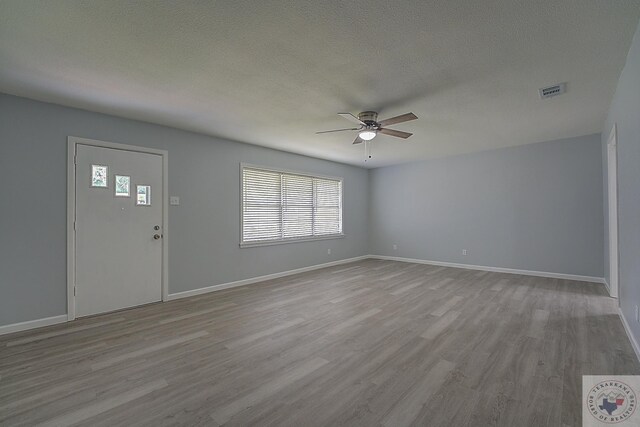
{"points": [[612, 186], [72, 142]]}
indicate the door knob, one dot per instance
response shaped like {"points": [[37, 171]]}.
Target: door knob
{"points": [[156, 236]]}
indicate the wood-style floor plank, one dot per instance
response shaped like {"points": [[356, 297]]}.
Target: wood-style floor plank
{"points": [[371, 343]]}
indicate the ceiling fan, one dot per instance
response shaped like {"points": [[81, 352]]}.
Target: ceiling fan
{"points": [[369, 127]]}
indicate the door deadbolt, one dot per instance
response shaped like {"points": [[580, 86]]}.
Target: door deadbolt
{"points": [[156, 227]]}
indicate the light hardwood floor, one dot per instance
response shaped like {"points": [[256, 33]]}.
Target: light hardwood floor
{"points": [[365, 344]]}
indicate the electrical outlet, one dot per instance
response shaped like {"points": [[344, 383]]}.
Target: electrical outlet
{"points": [[637, 317], [328, 251], [464, 252], [395, 247]]}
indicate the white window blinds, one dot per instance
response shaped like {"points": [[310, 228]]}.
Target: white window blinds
{"points": [[280, 206]]}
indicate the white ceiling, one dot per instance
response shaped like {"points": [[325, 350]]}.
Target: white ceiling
{"points": [[273, 72]]}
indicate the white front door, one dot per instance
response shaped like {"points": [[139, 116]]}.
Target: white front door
{"points": [[118, 248]]}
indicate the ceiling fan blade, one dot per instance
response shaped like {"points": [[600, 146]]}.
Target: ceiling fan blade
{"points": [[336, 130], [398, 119], [358, 140], [352, 118], [396, 133]]}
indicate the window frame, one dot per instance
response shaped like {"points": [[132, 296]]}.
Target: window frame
{"points": [[283, 241]]}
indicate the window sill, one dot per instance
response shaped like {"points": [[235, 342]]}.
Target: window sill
{"points": [[283, 242]]}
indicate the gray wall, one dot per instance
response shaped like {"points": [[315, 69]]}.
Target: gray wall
{"points": [[532, 207], [625, 112], [204, 229]]}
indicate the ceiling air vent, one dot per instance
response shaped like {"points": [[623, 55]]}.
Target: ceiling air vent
{"points": [[551, 91]]}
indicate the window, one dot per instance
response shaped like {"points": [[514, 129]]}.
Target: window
{"points": [[99, 175], [143, 195], [280, 207], [123, 186]]}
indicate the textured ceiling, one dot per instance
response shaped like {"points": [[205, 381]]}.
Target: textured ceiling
{"points": [[273, 72]]}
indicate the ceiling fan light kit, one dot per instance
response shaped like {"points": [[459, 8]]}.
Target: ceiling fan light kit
{"points": [[367, 135]]}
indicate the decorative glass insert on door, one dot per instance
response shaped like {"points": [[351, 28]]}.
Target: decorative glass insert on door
{"points": [[123, 185], [143, 195], [99, 176]]}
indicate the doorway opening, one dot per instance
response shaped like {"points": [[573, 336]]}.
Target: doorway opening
{"points": [[612, 180]]}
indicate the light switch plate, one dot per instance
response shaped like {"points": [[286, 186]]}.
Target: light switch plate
{"points": [[174, 200]]}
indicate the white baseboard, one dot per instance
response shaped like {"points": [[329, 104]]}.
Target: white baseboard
{"points": [[627, 329], [252, 280], [494, 269], [258, 279], [32, 324], [38, 323]]}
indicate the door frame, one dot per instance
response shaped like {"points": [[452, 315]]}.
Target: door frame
{"points": [[612, 202], [72, 143]]}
